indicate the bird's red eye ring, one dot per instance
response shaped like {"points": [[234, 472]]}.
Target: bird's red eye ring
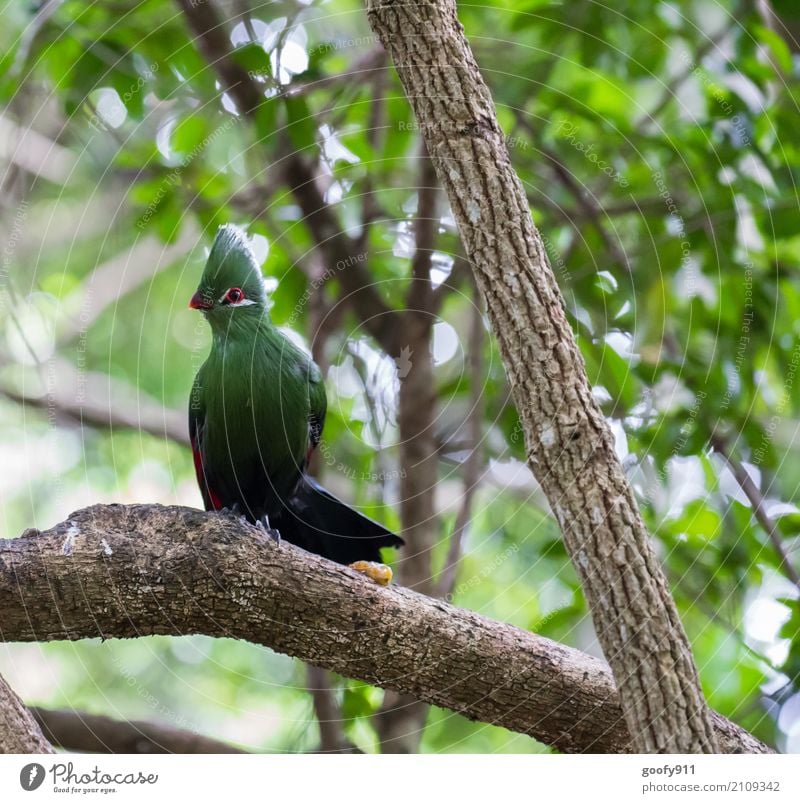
{"points": [[234, 295]]}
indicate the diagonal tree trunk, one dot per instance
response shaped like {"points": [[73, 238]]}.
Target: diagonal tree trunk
{"points": [[569, 445]]}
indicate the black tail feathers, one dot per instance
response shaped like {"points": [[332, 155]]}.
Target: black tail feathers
{"points": [[317, 521]]}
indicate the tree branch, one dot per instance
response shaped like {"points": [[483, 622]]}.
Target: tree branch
{"points": [[19, 732], [756, 499], [77, 397], [328, 712], [127, 571], [473, 464], [342, 255], [340, 250], [400, 721], [94, 733], [426, 226]]}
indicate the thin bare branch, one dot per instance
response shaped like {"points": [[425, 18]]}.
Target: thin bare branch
{"points": [[102, 402], [757, 502]]}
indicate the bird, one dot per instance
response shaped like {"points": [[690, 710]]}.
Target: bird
{"points": [[256, 414]]}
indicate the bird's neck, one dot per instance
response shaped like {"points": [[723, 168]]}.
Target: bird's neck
{"points": [[241, 330]]}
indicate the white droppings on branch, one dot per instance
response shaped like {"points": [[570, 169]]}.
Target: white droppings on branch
{"points": [[69, 540]]}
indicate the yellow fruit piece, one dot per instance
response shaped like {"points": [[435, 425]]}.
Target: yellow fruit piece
{"points": [[378, 572]]}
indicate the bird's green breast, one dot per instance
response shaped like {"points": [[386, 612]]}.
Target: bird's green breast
{"points": [[256, 394]]}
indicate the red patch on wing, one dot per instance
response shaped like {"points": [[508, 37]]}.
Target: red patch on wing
{"points": [[216, 503]]}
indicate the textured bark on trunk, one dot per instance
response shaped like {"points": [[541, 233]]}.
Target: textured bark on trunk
{"points": [[19, 731], [569, 445], [127, 571]]}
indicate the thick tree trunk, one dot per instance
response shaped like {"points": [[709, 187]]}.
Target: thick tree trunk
{"points": [[570, 447], [19, 731], [117, 571]]}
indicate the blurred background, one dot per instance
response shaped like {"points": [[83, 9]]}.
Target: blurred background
{"points": [[658, 143]]}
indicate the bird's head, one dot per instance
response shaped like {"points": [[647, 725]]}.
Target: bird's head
{"points": [[232, 287]]}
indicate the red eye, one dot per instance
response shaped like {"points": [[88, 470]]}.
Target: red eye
{"points": [[234, 295]]}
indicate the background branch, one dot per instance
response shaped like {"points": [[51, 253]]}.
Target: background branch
{"points": [[473, 464], [569, 444], [339, 249], [401, 719], [19, 731]]}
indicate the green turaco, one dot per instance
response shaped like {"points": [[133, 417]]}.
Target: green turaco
{"points": [[256, 415]]}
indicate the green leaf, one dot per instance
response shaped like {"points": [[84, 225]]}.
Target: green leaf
{"points": [[189, 133]]}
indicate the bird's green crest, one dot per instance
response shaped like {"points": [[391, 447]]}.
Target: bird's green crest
{"points": [[231, 266]]}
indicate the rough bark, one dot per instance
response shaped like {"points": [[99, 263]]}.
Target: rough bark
{"points": [[19, 731], [127, 571], [95, 733], [569, 445]]}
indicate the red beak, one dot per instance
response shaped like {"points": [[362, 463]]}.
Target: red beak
{"points": [[199, 302]]}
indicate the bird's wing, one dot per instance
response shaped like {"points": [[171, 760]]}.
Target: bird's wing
{"points": [[197, 423]]}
